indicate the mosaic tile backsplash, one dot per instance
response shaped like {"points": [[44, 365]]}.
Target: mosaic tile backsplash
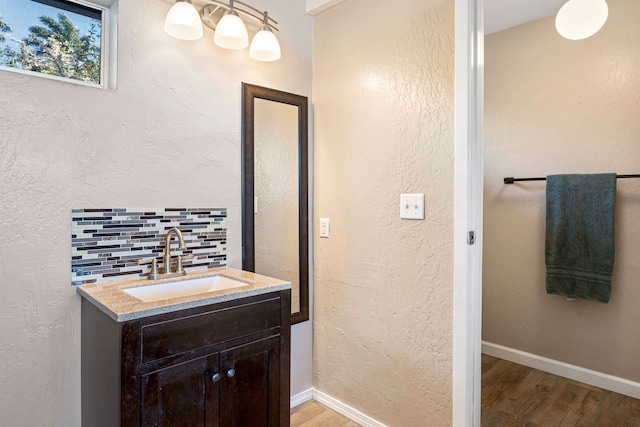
{"points": [[106, 244]]}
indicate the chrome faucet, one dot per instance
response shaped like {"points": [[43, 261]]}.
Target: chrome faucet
{"points": [[166, 258], [166, 271]]}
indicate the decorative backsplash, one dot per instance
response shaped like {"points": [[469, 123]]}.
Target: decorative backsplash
{"points": [[106, 244]]}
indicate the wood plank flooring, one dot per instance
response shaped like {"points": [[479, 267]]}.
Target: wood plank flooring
{"points": [[314, 414], [515, 395]]}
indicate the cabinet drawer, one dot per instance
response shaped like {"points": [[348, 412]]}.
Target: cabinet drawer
{"points": [[176, 336]]}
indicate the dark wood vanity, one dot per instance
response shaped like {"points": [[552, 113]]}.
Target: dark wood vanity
{"points": [[222, 364]]}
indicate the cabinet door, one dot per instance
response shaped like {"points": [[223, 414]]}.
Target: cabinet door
{"points": [[250, 385], [181, 395]]}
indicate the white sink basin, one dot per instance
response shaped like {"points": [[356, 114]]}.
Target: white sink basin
{"points": [[164, 291]]}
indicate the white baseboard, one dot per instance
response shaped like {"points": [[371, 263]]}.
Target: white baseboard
{"points": [[345, 410], [587, 376], [334, 404], [301, 398]]}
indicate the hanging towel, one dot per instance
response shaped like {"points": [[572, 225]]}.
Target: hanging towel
{"points": [[579, 241]]}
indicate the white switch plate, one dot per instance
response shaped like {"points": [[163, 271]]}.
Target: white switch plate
{"points": [[412, 206], [324, 227]]}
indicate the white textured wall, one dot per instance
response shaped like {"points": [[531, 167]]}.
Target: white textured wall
{"points": [[383, 96], [169, 136], [557, 106]]}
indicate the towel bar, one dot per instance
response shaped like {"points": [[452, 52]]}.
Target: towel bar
{"points": [[511, 180]]}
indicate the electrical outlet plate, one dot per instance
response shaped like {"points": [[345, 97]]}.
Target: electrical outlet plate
{"points": [[412, 206]]}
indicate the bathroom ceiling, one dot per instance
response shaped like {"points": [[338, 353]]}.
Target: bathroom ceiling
{"points": [[503, 14]]}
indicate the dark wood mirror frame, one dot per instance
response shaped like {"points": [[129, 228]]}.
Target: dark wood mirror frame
{"points": [[249, 94]]}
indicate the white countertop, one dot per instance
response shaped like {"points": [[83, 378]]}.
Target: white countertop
{"points": [[121, 307]]}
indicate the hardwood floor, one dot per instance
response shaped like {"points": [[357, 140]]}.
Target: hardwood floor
{"points": [[314, 414], [515, 395]]}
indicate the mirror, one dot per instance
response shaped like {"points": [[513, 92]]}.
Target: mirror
{"points": [[275, 217]]}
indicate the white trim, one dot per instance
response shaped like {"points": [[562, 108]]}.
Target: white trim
{"points": [[345, 410], [573, 372], [301, 398], [110, 44], [108, 48], [52, 76], [467, 298], [314, 7]]}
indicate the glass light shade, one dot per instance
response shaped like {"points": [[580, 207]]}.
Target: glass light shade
{"points": [[265, 46], [183, 21], [579, 19], [230, 32]]}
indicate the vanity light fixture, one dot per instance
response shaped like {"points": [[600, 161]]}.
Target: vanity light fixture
{"points": [[579, 19], [265, 46], [183, 21], [230, 32], [229, 22]]}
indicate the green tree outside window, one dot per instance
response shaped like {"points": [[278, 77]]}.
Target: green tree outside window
{"points": [[55, 47]]}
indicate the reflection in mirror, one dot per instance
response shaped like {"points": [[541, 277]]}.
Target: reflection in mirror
{"points": [[276, 193], [274, 190]]}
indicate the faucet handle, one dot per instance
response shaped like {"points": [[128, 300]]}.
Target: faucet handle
{"points": [[153, 273], [179, 267]]}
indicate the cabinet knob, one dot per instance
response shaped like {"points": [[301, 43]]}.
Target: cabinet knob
{"points": [[231, 372], [215, 377]]}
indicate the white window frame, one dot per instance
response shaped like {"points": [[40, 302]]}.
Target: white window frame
{"points": [[108, 47]]}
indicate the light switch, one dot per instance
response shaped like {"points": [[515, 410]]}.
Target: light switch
{"points": [[324, 227], [412, 206]]}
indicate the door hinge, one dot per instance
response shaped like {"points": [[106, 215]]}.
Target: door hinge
{"points": [[471, 238]]}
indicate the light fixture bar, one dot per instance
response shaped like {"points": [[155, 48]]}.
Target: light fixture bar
{"points": [[229, 21], [212, 6]]}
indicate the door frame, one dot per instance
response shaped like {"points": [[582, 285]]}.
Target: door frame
{"points": [[469, 149]]}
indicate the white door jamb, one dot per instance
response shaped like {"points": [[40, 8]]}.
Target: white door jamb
{"points": [[469, 148]]}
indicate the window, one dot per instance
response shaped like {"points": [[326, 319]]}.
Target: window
{"points": [[61, 39]]}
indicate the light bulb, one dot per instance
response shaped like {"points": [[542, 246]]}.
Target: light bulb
{"points": [[230, 32], [265, 46], [183, 21], [579, 19]]}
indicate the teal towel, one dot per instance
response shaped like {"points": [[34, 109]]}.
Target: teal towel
{"points": [[579, 242]]}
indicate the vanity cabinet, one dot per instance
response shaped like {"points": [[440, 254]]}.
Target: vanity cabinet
{"points": [[224, 364]]}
